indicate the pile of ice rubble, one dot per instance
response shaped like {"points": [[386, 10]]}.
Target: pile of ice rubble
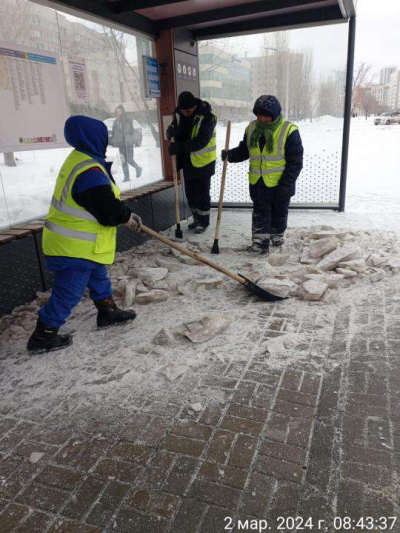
{"points": [[313, 265], [326, 260]]}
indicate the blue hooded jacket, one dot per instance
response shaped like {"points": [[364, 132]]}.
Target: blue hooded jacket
{"points": [[92, 189], [89, 136]]}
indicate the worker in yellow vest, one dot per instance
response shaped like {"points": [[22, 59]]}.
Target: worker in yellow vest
{"points": [[193, 135], [273, 146], [79, 235]]}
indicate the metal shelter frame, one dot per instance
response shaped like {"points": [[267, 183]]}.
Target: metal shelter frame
{"points": [[208, 19]]}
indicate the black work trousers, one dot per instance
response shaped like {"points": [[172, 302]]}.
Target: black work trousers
{"points": [[270, 211], [126, 153], [199, 199]]}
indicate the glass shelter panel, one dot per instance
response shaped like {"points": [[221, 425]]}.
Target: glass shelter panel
{"points": [[102, 78], [307, 74]]}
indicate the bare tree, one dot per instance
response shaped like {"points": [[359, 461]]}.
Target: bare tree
{"points": [[367, 102], [327, 97], [12, 27], [363, 77], [222, 50]]}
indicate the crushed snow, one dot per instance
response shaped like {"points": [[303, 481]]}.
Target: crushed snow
{"points": [[153, 355]]}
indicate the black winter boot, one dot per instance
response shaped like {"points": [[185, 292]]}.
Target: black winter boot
{"points": [[195, 223], [200, 229], [46, 339], [110, 315], [259, 248], [277, 239]]}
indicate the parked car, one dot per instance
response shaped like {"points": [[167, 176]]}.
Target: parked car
{"points": [[137, 131], [377, 120], [390, 118]]}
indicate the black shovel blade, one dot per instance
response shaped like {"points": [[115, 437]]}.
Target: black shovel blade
{"points": [[215, 247], [258, 291], [178, 232]]}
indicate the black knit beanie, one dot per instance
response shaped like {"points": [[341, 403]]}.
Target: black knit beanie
{"points": [[267, 105], [186, 100]]}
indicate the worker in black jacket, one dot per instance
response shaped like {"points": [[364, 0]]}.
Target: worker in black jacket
{"points": [[275, 150], [193, 135]]}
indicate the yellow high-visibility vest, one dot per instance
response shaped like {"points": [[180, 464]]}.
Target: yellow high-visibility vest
{"points": [[205, 155], [70, 230], [269, 165]]}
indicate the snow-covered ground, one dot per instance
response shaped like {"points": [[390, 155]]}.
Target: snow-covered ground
{"points": [[189, 292], [185, 292], [373, 185]]}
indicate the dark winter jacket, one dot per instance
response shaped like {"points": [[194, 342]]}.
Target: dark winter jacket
{"points": [[185, 144], [92, 190], [293, 155], [122, 131]]}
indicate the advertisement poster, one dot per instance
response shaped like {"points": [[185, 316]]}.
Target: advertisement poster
{"points": [[151, 77], [79, 80], [33, 106]]}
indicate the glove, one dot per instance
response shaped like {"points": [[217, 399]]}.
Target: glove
{"points": [[225, 155], [173, 148], [171, 132], [284, 190], [134, 223]]}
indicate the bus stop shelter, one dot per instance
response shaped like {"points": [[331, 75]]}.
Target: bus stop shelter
{"points": [[178, 26]]}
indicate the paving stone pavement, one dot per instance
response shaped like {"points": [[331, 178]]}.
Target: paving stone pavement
{"points": [[318, 438]]}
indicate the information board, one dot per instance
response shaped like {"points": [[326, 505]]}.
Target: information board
{"points": [[33, 106], [151, 77], [79, 80]]}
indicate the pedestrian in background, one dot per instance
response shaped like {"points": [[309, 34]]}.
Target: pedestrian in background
{"points": [[273, 146], [123, 138]]}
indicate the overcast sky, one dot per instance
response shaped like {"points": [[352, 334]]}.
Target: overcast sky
{"points": [[377, 38]]}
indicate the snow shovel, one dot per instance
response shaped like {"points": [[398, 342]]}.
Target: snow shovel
{"points": [[215, 247], [251, 286], [178, 231]]}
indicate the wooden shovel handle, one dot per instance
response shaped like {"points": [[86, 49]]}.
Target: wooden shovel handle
{"points": [[191, 254], [221, 192], [175, 173]]}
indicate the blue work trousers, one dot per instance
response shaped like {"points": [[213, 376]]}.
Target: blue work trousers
{"points": [[71, 277]]}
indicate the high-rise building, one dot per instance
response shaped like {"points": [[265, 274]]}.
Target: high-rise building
{"points": [[381, 94], [225, 82], [264, 77], [385, 73], [394, 97]]}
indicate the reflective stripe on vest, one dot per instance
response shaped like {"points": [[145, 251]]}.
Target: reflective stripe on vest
{"points": [[70, 230], [208, 154], [73, 211], [268, 165], [73, 234]]}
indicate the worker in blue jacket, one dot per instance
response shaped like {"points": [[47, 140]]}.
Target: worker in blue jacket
{"points": [[275, 152], [79, 235]]}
